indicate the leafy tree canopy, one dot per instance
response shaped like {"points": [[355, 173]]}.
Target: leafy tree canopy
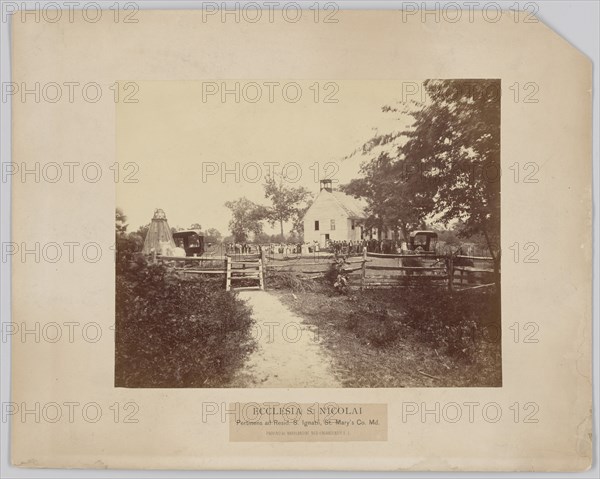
{"points": [[287, 203], [447, 165], [247, 217]]}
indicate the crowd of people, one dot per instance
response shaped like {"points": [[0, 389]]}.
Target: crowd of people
{"points": [[242, 248], [372, 245], [286, 248], [270, 249], [344, 247], [347, 247]]}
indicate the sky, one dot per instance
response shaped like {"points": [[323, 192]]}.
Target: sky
{"points": [[184, 138]]}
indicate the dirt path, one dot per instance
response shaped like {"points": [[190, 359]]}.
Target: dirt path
{"points": [[289, 353]]}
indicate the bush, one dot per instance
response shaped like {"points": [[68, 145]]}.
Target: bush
{"points": [[374, 325], [451, 323], [172, 331], [336, 276], [295, 282], [127, 249], [455, 322]]}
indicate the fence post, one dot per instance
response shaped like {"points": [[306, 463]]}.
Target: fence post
{"points": [[450, 265], [262, 260], [154, 257], [227, 273], [364, 268]]}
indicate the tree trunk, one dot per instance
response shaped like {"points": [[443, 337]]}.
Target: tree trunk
{"points": [[281, 228]]}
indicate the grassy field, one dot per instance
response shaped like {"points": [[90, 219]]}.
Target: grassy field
{"points": [[404, 337]]}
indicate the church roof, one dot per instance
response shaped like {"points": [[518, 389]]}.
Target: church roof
{"points": [[354, 207]]}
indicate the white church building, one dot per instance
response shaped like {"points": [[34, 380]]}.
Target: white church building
{"points": [[334, 216]]}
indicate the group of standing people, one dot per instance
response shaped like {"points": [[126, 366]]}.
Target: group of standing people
{"points": [[242, 248], [339, 247], [284, 248], [288, 249], [373, 246]]}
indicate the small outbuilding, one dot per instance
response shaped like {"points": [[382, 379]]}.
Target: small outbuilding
{"points": [[159, 238]]}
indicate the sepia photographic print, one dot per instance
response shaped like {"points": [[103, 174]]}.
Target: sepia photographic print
{"points": [[310, 234], [322, 239]]}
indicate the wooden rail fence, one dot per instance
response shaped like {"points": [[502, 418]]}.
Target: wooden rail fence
{"points": [[433, 269], [362, 271]]}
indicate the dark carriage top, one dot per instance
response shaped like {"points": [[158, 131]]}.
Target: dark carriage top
{"points": [[423, 241], [191, 241]]}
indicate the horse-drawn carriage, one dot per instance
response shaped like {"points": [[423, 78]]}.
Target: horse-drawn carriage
{"points": [[190, 241], [423, 245], [423, 242]]}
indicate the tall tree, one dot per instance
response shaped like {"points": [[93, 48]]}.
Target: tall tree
{"points": [[287, 201], [452, 150], [456, 141], [247, 217], [212, 235], [298, 219], [393, 195]]}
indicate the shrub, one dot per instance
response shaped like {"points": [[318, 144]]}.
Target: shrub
{"points": [[172, 331], [336, 276], [452, 323], [373, 324], [295, 282], [127, 249]]}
